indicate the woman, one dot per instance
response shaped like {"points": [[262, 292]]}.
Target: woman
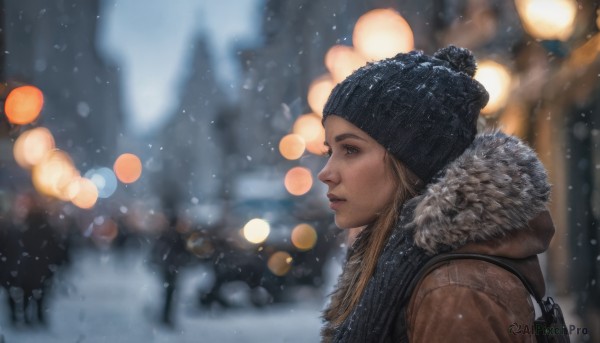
{"points": [[407, 168]]}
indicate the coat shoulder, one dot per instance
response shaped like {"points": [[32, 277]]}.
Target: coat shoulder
{"points": [[468, 295], [478, 275]]}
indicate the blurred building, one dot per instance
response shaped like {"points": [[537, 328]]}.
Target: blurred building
{"points": [[193, 148], [276, 77], [52, 46]]}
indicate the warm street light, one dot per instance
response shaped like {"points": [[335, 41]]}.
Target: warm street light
{"points": [[128, 168], [298, 181], [548, 19], [292, 146], [31, 146], [24, 104], [87, 194], [280, 263], [256, 230], [341, 61], [310, 128], [53, 174], [496, 79], [382, 33], [318, 93], [304, 237]]}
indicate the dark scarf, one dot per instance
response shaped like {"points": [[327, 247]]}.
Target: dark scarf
{"points": [[386, 295]]}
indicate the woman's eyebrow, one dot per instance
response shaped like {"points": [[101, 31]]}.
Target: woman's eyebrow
{"points": [[343, 136]]}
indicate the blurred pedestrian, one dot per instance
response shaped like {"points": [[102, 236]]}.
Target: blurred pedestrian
{"points": [[169, 255], [33, 252], [9, 254], [407, 167]]}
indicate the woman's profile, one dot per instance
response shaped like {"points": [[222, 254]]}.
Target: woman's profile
{"points": [[407, 167]]}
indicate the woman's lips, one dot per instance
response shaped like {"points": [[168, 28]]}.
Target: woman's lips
{"points": [[335, 202]]}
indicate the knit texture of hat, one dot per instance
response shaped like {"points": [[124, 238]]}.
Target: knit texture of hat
{"points": [[422, 109]]}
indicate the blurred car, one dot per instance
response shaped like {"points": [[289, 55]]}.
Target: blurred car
{"points": [[272, 242]]}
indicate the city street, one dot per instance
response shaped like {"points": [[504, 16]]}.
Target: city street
{"points": [[105, 298]]}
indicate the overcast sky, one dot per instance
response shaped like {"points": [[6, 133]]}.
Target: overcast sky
{"points": [[151, 40]]}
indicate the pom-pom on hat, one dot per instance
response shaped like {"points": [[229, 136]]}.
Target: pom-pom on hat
{"points": [[422, 109]]}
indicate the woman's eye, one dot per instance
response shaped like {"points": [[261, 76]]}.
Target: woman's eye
{"points": [[347, 149], [350, 150]]}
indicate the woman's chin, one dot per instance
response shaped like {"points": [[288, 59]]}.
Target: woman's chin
{"points": [[346, 224], [342, 224]]}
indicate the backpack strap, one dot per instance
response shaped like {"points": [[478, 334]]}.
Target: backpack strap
{"points": [[437, 260]]}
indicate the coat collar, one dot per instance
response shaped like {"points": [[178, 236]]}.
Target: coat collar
{"points": [[492, 190]]}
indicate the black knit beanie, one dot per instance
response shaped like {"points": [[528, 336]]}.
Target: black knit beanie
{"points": [[422, 109]]}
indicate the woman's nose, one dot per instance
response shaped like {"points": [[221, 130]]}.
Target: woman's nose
{"points": [[327, 174]]}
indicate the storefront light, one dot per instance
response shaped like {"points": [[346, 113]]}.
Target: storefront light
{"points": [[548, 19]]}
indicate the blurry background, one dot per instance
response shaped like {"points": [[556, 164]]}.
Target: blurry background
{"points": [[158, 158]]}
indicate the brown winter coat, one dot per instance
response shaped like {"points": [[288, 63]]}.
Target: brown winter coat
{"points": [[475, 301]]}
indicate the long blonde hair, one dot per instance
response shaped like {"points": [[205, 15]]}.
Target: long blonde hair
{"points": [[375, 236]]}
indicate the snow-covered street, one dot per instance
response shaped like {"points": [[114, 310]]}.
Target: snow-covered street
{"points": [[111, 298]]}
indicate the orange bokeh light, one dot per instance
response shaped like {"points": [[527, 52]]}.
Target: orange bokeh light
{"points": [[310, 128], [497, 80], [292, 146], [298, 181], [24, 104], [341, 61], [128, 168], [382, 33], [280, 263], [307, 126], [53, 174], [31, 146], [304, 237], [87, 193], [317, 146], [318, 93]]}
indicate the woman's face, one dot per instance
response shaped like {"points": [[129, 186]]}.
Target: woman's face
{"points": [[359, 180]]}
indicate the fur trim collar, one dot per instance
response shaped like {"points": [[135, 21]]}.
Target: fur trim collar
{"points": [[496, 186]]}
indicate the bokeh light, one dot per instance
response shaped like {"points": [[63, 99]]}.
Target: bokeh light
{"points": [[31, 146], [256, 230], [104, 179], [307, 126], [24, 104], [310, 128], [318, 93], [53, 174], [87, 193], [382, 33], [341, 61], [317, 146], [128, 168], [548, 19], [200, 245], [514, 120], [280, 263], [106, 231], [292, 146], [497, 81], [304, 237], [298, 181]]}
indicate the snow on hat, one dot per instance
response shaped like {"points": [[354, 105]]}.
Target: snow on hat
{"points": [[422, 109]]}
